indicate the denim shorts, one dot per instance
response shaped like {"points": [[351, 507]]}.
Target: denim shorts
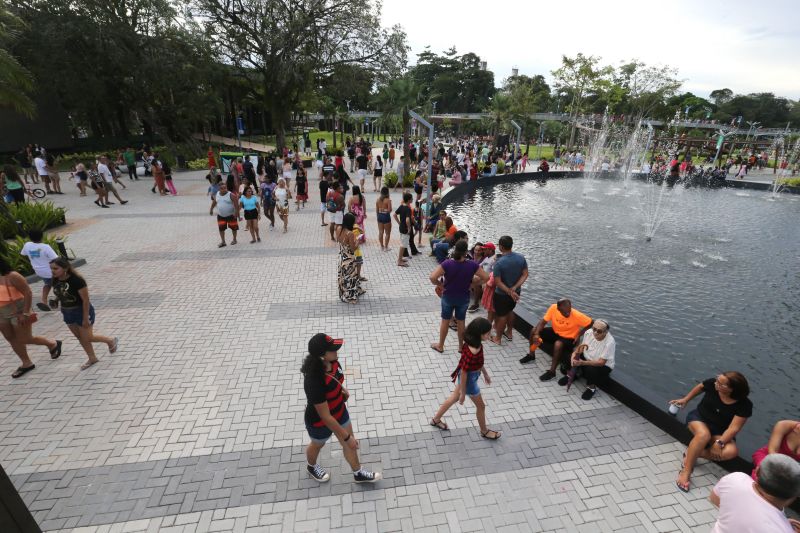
{"points": [[472, 382], [457, 304], [320, 435], [74, 315]]}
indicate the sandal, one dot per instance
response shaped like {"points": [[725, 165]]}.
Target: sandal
{"points": [[221, 245], [21, 371], [682, 488], [488, 431], [55, 353], [114, 346], [507, 337], [436, 348], [441, 425], [43, 307], [87, 364]]}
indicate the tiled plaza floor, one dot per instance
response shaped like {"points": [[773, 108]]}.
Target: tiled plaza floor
{"points": [[196, 424]]}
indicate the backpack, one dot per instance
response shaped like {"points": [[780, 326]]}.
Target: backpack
{"points": [[330, 204]]}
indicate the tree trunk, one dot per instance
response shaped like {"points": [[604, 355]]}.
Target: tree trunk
{"points": [[406, 120]]}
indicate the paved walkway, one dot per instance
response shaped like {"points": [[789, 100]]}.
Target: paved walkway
{"points": [[196, 424]]}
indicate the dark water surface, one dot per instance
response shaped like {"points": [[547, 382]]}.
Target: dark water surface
{"points": [[717, 288]]}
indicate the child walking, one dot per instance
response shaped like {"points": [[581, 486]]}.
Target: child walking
{"points": [[470, 367]]}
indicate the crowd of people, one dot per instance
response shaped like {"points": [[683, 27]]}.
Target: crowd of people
{"points": [[465, 277]]}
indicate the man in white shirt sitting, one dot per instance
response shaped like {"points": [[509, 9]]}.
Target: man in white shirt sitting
{"points": [[747, 506], [594, 357]]}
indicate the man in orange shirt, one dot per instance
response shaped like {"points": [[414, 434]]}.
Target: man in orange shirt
{"points": [[567, 326]]}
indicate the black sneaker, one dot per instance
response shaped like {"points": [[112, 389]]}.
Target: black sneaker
{"points": [[547, 376], [563, 381], [365, 476], [588, 393], [318, 473], [528, 358]]}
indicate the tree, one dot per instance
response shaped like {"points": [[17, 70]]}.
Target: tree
{"points": [[644, 87], [287, 46], [396, 99], [457, 83], [721, 96], [579, 76], [16, 82]]}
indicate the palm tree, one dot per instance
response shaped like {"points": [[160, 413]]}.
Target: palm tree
{"points": [[15, 80], [397, 98]]}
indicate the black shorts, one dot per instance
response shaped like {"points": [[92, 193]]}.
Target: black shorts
{"points": [[503, 304], [550, 337], [250, 214]]}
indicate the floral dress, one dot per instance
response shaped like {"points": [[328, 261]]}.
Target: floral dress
{"points": [[349, 283]]}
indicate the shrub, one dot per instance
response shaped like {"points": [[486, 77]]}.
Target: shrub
{"points": [[501, 166], [42, 216], [791, 182], [198, 164], [390, 179]]}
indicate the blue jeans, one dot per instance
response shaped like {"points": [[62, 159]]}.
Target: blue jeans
{"points": [[440, 250]]}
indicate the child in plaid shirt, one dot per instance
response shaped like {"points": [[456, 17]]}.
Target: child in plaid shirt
{"points": [[470, 367]]}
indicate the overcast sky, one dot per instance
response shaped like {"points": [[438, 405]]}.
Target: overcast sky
{"points": [[743, 45]]}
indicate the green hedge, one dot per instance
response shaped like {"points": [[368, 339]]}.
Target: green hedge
{"points": [[791, 182]]}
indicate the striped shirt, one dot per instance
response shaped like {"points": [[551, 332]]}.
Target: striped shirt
{"points": [[328, 389]]}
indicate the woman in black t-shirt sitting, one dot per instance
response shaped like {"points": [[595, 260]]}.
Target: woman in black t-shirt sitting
{"points": [[719, 416]]}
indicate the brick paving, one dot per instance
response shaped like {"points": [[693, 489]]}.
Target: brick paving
{"points": [[196, 424]]}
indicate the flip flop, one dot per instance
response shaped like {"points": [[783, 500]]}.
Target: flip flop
{"points": [[507, 337], [436, 348], [486, 435], [21, 371], [88, 364], [55, 353], [441, 425], [115, 346], [43, 307], [682, 489], [221, 245]]}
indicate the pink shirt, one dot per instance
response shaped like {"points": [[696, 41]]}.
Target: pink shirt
{"points": [[743, 510]]}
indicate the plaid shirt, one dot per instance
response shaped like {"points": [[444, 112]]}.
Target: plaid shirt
{"points": [[469, 361]]}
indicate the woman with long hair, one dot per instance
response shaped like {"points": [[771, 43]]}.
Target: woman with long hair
{"points": [[252, 213], [14, 185], [466, 375], [77, 310], [268, 200], [720, 415], [377, 173], [358, 206], [348, 277], [326, 408], [158, 178], [16, 318], [383, 208], [52, 172], [282, 195]]}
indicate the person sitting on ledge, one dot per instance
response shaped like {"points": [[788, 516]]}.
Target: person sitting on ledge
{"points": [[785, 439], [442, 249], [544, 166], [444, 230], [594, 358], [568, 325], [746, 506], [720, 415]]}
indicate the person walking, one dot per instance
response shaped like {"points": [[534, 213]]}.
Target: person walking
{"points": [[300, 187], [403, 217], [282, 196], [377, 174], [335, 205], [348, 272], [453, 279], [324, 185], [268, 200], [77, 310], [383, 210], [16, 319], [158, 177], [167, 170], [326, 409], [108, 176], [14, 185], [98, 183], [40, 255], [252, 213], [227, 212], [466, 375], [358, 206], [129, 155]]}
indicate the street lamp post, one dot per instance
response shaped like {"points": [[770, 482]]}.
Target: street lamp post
{"points": [[428, 125]]}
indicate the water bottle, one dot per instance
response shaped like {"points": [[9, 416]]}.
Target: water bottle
{"points": [[673, 409]]}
